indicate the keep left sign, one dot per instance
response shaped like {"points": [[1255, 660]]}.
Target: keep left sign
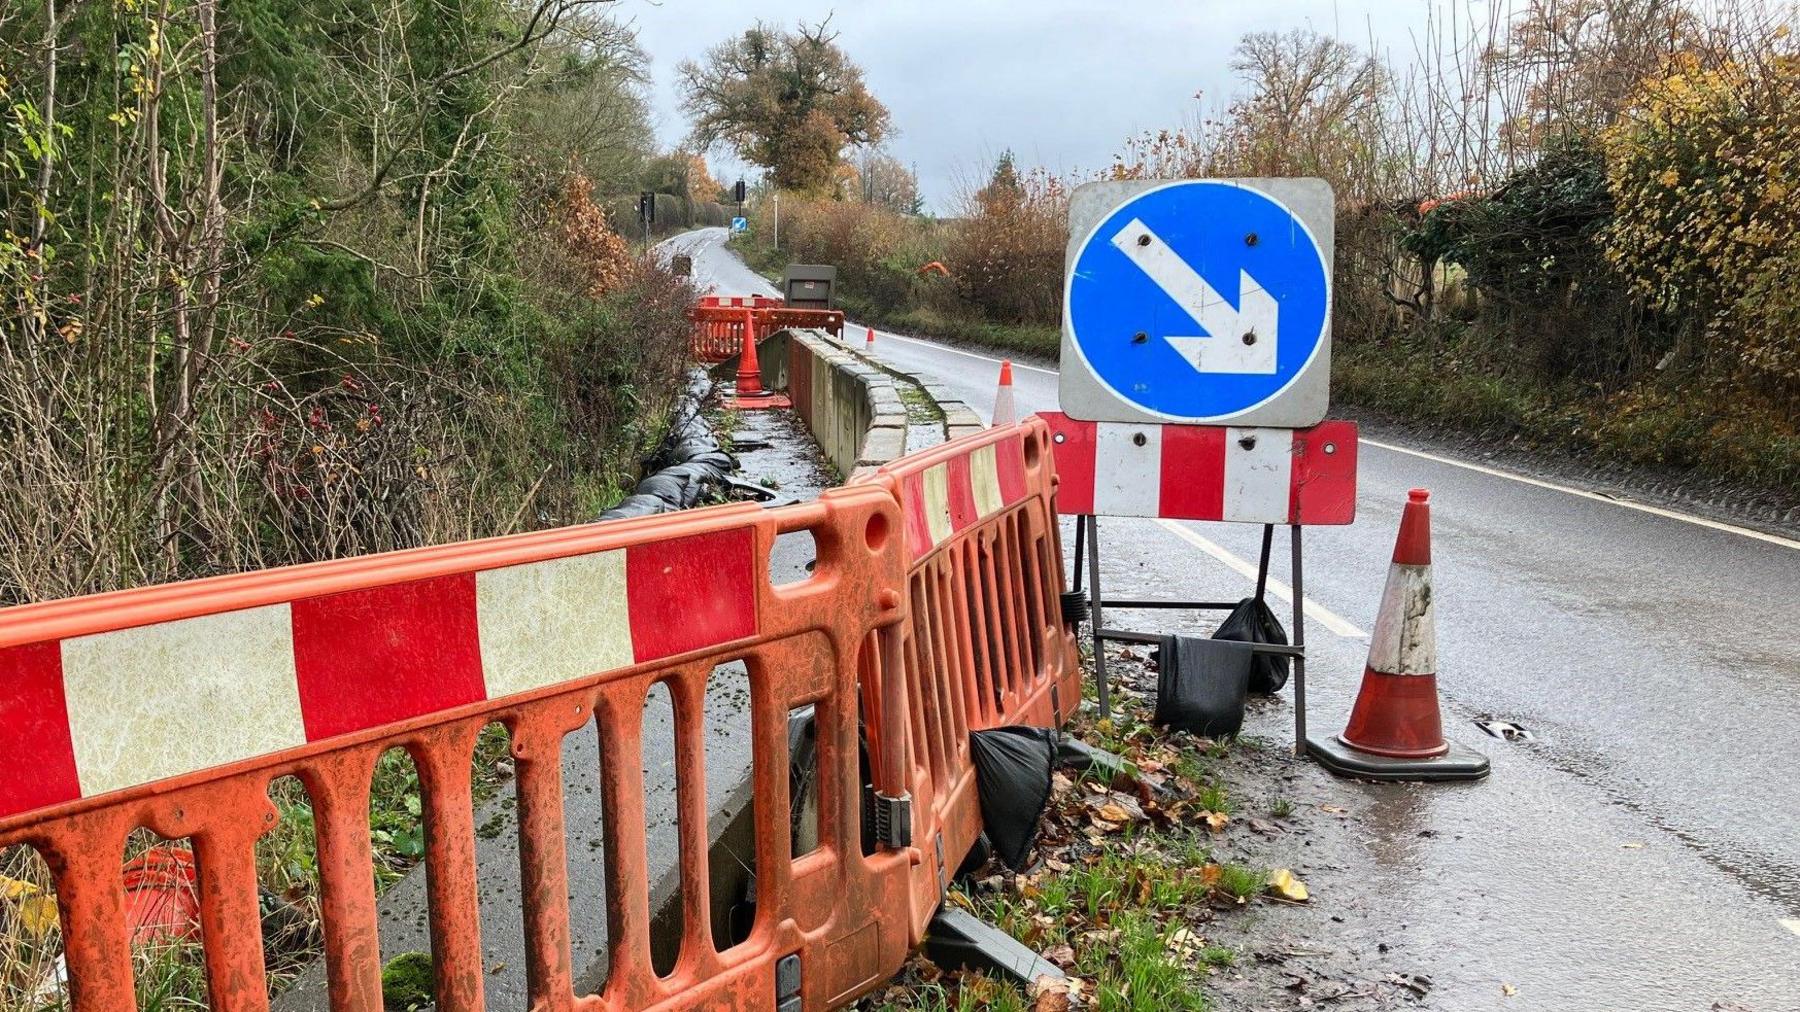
{"points": [[1199, 301]]}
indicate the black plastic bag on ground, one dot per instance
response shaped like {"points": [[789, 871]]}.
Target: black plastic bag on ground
{"points": [[1012, 778], [1201, 685], [1252, 622]]}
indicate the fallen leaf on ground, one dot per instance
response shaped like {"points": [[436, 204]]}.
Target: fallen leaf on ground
{"points": [[1113, 812], [1508, 990], [1631, 846], [36, 909], [1215, 821], [1283, 884], [1184, 942], [1334, 809]]}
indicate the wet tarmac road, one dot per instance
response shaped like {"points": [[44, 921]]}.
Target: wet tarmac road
{"points": [[1643, 852]]}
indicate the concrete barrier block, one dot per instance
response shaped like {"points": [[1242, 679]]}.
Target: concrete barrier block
{"points": [[958, 414], [883, 444]]}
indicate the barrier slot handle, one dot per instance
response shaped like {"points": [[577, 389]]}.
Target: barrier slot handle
{"points": [[893, 804]]}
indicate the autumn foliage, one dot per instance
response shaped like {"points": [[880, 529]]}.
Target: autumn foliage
{"points": [[599, 253]]}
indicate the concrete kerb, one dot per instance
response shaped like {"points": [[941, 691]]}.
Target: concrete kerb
{"points": [[853, 407], [959, 418]]}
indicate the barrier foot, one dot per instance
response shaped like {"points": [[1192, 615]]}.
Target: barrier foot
{"points": [[1457, 764], [759, 402], [958, 940], [1075, 754]]}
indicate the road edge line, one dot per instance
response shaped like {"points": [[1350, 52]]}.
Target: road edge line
{"points": [[1717, 525]]}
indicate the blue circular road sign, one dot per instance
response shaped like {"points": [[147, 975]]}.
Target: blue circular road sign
{"points": [[1199, 300]]}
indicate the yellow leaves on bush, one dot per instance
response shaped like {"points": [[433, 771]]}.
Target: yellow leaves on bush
{"points": [[602, 257], [1703, 168], [1700, 168]]}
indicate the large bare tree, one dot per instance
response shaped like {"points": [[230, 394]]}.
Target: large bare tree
{"points": [[789, 101]]}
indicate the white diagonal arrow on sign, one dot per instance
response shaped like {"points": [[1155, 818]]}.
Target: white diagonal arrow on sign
{"points": [[1238, 340]]}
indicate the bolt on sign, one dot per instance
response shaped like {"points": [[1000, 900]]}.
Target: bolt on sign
{"points": [[1200, 301]]}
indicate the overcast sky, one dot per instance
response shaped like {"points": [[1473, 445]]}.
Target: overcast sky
{"points": [[1061, 82]]}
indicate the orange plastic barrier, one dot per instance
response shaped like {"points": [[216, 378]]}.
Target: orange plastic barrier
{"points": [[718, 332], [985, 644], [174, 707], [740, 301]]}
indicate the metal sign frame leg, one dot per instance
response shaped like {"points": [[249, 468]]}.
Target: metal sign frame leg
{"points": [[1299, 637], [1295, 650], [1262, 566], [1101, 687], [1079, 556]]}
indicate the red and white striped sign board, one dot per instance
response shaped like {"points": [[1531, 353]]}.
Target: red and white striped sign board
{"points": [[214, 689], [1205, 472]]}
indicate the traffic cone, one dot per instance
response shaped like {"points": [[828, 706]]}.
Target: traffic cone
{"points": [[750, 393], [1005, 412], [869, 342], [1396, 731]]}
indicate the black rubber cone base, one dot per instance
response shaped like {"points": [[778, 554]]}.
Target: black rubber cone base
{"points": [[1457, 764]]}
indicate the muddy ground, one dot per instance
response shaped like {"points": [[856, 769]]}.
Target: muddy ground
{"points": [[1289, 813]]}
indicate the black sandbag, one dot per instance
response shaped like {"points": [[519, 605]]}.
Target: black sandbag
{"points": [[688, 463], [1201, 685], [1252, 622], [1012, 778]]}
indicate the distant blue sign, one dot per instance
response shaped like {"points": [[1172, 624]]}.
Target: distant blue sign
{"points": [[1199, 300], [740, 224]]}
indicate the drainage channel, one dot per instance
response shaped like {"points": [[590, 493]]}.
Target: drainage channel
{"points": [[924, 419]]}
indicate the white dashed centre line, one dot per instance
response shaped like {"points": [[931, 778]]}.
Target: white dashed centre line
{"points": [[1314, 610]]}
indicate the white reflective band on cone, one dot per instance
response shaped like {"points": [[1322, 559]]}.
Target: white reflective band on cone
{"points": [[1405, 638]]}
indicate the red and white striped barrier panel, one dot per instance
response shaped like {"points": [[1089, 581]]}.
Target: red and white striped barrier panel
{"points": [[944, 499], [986, 645], [175, 707], [255, 680], [740, 302], [1205, 472]]}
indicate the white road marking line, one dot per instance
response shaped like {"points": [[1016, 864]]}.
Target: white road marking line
{"points": [[1773, 539], [1314, 610], [1792, 925]]}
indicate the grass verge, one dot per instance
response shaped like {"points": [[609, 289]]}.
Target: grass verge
{"points": [[1743, 440]]}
